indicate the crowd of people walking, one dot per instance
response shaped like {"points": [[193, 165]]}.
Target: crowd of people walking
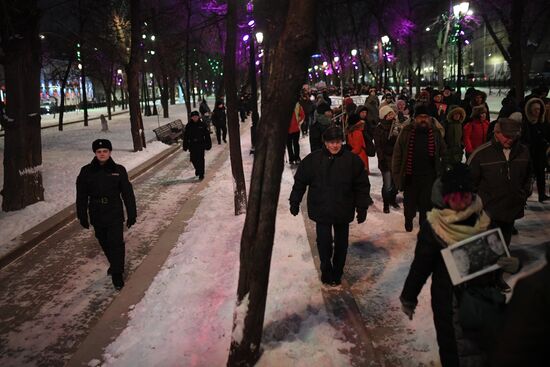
{"points": [[462, 172]]}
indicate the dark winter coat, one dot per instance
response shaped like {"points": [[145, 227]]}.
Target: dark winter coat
{"points": [[338, 185], [455, 349], [99, 189], [316, 131], [453, 136], [525, 335], [502, 185], [384, 145], [219, 118], [203, 108], [399, 158], [196, 136]]}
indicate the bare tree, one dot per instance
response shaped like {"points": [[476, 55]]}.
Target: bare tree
{"points": [[291, 28], [21, 50]]}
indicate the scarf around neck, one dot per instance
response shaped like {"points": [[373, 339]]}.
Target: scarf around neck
{"points": [[445, 222]]}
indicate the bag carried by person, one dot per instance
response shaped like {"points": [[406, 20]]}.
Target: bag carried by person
{"points": [[369, 144], [481, 308]]}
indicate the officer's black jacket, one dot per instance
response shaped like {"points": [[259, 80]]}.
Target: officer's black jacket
{"points": [[99, 189]]}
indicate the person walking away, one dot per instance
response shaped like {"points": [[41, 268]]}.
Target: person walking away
{"points": [[309, 109], [338, 186], [501, 172], [101, 188], [219, 119], [205, 111], [372, 104], [293, 139], [538, 142], [458, 215], [416, 163], [385, 136], [196, 139], [355, 139], [323, 119], [475, 131], [453, 136]]}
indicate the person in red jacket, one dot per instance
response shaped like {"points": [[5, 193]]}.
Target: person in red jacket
{"points": [[293, 140], [475, 131], [355, 139]]}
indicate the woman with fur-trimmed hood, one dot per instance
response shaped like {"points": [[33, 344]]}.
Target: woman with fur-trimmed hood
{"points": [[475, 131], [536, 136], [453, 135]]}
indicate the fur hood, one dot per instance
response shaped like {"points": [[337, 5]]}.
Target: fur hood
{"points": [[455, 109], [528, 114]]}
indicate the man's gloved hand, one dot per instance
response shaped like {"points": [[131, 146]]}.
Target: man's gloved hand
{"points": [[361, 215], [130, 222], [84, 223], [294, 209], [509, 264], [408, 308]]}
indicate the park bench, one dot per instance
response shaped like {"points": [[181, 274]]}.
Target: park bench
{"points": [[169, 133]]}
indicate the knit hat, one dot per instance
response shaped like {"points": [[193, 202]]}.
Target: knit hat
{"points": [[421, 109], [457, 179], [509, 127], [384, 110], [322, 108], [477, 111], [333, 133], [195, 113], [353, 119], [101, 144]]}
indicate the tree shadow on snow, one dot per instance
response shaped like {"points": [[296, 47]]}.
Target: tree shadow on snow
{"points": [[365, 260], [180, 181]]}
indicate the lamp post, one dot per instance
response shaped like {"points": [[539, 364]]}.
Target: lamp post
{"points": [[258, 37], [354, 65], [459, 11], [385, 42]]}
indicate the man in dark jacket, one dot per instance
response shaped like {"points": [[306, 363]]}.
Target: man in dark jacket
{"points": [[338, 186], [416, 163], [196, 138], [99, 188], [525, 335], [219, 119], [501, 170]]}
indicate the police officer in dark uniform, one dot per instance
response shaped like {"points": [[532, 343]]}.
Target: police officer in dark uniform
{"points": [[196, 139], [99, 188]]}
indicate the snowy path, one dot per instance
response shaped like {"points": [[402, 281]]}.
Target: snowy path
{"points": [[55, 293]]}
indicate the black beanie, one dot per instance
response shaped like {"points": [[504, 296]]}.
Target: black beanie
{"points": [[322, 108], [421, 109], [457, 179], [101, 143], [353, 119], [195, 113], [333, 133]]}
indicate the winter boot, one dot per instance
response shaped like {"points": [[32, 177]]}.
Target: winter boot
{"points": [[385, 199], [408, 224], [118, 281], [393, 199]]}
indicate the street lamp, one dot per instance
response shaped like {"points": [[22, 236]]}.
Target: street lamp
{"points": [[354, 52], [385, 42], [459, 11], [259, 37]]}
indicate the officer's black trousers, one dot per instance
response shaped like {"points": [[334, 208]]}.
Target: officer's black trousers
{"points": [[112, 242], [332, 258], [197, 159]]}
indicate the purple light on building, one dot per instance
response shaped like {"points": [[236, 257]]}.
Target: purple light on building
{"points": [[246, 37], [467, 42], [251, 23]]}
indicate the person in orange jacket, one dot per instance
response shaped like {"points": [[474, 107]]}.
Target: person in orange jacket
{"points": [[293, 140], [475, 131], [355, 138]]}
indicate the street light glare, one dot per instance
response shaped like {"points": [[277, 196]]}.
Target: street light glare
{"points": [[385, 39], [354, 52], [153, 37], [428, 29], [336, 59], [259, 37]]}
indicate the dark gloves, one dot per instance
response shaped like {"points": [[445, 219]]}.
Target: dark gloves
{"points": [[130, 222], [407, 307], [509, 264], [294, 209], [361, 215], [84, 222]]}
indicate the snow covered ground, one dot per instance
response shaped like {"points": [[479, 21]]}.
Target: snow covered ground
{"points": [[185, 317], [64, 152]]}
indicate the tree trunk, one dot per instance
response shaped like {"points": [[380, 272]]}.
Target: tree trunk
{"points": [[132, 73], [172, 84], [62, 91], [516, 50], [187, 105], [22, 140], [229, 72], [187, 66], [287, 65]]}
